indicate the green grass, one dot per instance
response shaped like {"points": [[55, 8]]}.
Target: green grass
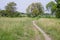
{"points": [[18, 29], [51, 26]]}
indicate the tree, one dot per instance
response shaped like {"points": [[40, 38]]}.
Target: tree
{"points": [[3, 13], [58, 8], [35, 9], [10, 8], [51, 6]]}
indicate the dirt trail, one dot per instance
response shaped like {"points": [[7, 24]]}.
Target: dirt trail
{"points": [[37, 36], [44, 34]]}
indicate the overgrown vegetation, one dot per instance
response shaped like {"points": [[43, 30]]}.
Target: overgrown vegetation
{"points": [[51, 26], [18, 29]]}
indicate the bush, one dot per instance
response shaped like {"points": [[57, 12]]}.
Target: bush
{"points": [[58, 14]]}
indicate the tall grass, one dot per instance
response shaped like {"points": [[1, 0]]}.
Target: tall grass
{"points": [[16, 29], [50, 26]]}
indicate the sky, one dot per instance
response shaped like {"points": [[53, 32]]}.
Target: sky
{"points": [[23, 4]]}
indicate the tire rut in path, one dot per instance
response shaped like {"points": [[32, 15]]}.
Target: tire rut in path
{"points": [[44, 34]]}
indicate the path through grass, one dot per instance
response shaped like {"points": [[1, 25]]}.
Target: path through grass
{"points": [[50, 26], [17, 29]]}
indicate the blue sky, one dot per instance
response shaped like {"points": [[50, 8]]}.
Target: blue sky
{"points": [[22, 4]]}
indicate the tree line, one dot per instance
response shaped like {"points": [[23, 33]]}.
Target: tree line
{"points": [[33, 10], [10, 10]]}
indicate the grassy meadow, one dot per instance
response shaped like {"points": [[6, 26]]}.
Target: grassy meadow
{"points": [[51, 26], [18, 29]]}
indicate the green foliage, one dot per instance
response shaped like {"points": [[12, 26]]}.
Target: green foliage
{"points": [[58, 9], [11, 9], [51, 6], [35, 9], [58, 14], [5, 13], [54, 7], [35, 12]]}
